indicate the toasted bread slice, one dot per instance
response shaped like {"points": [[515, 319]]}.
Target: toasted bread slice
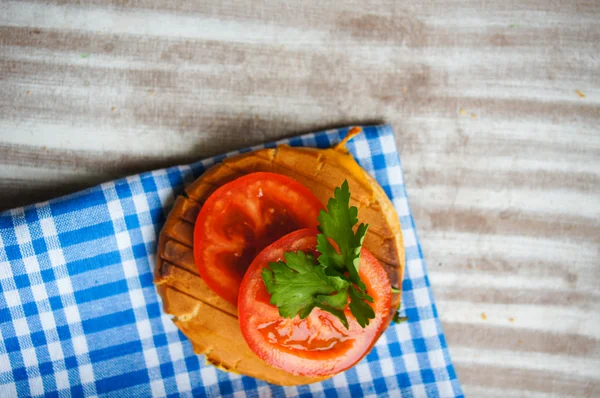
{"points": [[209, 321]]}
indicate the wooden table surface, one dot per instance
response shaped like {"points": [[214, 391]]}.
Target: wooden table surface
{"points": [[496, 108]]}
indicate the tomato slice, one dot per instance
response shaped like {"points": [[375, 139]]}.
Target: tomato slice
{"points": [[318, 345], [241, 218]]}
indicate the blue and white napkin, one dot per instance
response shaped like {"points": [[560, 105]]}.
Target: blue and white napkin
{"points": [[79, 315]]}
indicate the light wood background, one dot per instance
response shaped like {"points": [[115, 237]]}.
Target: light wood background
{"points": [[501, 151]]}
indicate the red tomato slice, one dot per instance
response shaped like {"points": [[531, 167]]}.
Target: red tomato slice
{"points": [[318, 345], [241, 218]]}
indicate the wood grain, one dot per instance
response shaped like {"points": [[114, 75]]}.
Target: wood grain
{"points": [[501, 155]]}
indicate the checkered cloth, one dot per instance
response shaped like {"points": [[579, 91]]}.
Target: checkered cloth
{"points": [[79, 315]]}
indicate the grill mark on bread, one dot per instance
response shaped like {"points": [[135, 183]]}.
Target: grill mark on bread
{"points": [[190, 246], [180, 255], [183, 232], [177, 278]]}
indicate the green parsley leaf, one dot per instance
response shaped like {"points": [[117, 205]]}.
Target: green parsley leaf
{"points": [[336, 224], [338, 301], [361, 310], [299, 284], [302, 282]]}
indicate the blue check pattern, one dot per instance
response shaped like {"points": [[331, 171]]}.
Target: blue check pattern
{"points": [[79, 315]]}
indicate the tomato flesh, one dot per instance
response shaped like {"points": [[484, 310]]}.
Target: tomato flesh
{"points": [[241, 218], [318, 345]]}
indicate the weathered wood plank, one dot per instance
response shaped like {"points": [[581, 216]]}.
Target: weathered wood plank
{"points": [[501, 154]]}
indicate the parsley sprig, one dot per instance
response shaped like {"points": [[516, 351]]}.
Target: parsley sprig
{"points": [[303, 282]]}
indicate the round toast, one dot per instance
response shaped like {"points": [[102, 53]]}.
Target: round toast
{"points": [[209, 321]]}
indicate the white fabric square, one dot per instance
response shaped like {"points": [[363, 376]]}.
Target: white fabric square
{"points": [[387, 367], [123, 240], [340, 381], [115, 210], [55, 350], [208, 375], [72, 315], [436, 359], [32, 266], [429, 328], [141, 203], [56, 257], [48, 227], [363, 372], [144, 329], [8, 390], [137, 298], [151, 358], [148, 233], [243, 394], [22, 234], [409, 238], [62, 380], [21, 327], [419, 390], [315, 388], [12, 298], [445, 389], [5, 269], [176, 351], [158, 388], [388, 144], [64, 287], [183, 382], [362, 148], [5, 365], [29, 357], [421, 296], [47, 320], [395, 176], [36, 386], [264, 392], [130, 269], [86, 373], [416, 268], [80, 345], [411, 362], [291, 391], [39, 292]]}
